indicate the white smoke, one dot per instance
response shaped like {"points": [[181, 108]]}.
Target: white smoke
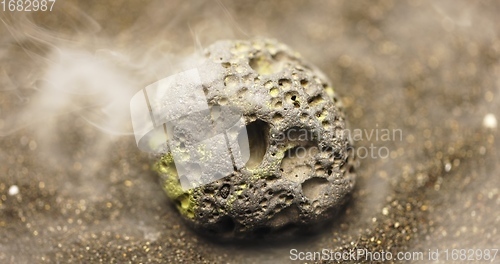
{"points": [[50, 71]]}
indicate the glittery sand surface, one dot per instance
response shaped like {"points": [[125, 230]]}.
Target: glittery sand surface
{"points": [[429, 69]]}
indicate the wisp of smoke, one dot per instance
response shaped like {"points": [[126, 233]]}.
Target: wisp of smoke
{"points": [[74, 68]]}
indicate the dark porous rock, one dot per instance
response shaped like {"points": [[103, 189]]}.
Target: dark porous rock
{"points": [[301, 166]]}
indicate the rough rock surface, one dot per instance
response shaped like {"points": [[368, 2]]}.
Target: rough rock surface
{"points": [[300, 170]]}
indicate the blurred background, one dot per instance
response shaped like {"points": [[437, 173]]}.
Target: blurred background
{"points": [[74, 187]]}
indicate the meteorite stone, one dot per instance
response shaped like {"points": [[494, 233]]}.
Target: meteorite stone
{"points": [[301, 168]]}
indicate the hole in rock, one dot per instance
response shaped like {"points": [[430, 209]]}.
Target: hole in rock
{"points": [[258, 141], [314, 187]]}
